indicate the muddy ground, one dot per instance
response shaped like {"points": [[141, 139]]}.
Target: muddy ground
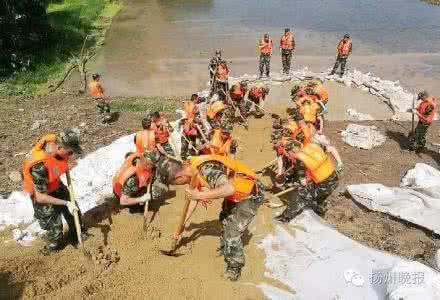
{"points": [[127, 262]]}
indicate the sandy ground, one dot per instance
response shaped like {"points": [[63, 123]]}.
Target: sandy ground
{"points": [[136, 269]]}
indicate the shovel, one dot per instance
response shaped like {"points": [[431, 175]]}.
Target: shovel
{"points": [[76, 216], [188, 210], [271, 204]]}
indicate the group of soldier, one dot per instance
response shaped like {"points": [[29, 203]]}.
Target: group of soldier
{"points": [[305, 159]]}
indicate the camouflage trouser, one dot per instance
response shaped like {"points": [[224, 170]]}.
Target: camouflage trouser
{"points": [[235, 219], [103, 108], [418, 140], [186, 150], [264, 63], [49, 216], [220, 88], [241, 106], [258, 113], [286, 59], [312, 196], [168, 149], [340, 60]]}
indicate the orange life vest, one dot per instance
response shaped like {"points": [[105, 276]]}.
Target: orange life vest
{"points": [[344, 48], [319, 166], [162, 134], [237, 92], [190, 109], [145, 140], [189, 129], [309, 110], [286, 42], [266, 47], [256, 93], [427, 101], [126, 171], [243, 177], [222, 72], [96, 89], [308, 131], [215, 108], [218, 145], [55, 167]]}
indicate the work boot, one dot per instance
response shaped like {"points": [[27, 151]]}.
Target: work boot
{"points": [[261, 76], [341, 75], [332, 72], [233, 273], [52, 248]]}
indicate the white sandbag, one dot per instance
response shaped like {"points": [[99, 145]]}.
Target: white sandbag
{"points": [[363, 137], [416, 201], [353, 115]]}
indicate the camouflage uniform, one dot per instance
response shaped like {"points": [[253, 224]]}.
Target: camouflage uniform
{"points": [[286, 59], [265, 63], [213, 63], [235, 217], [312, 195], [102, 108], [48, 215], [340, 60], [418, 140]]}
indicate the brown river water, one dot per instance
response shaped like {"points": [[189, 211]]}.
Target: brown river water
{"points": [[160, 47]]}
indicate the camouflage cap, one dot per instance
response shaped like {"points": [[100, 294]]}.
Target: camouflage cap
{"points": [[294, 90], [346, 36], [422, 94], [70, 138]]}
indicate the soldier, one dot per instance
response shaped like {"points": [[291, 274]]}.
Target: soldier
{"points": [[163, 130], [344, 48], [318, 177], [220, 85], [50, 197], [318, 90], [265, 47], [256, 97], [191, 125], [216, 114], [130, 184], [287, 46], [145, 140], [221, 142], [102, 102], [213, 64], [425, 111], [213, 177], [237, 94]]}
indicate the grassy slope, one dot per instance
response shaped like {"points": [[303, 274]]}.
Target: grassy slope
{"points": [[71, 21]]}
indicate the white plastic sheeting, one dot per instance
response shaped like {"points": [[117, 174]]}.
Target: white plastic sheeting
{"points": [[363, 137], [91, 177], [320, 263], [416, 201]]}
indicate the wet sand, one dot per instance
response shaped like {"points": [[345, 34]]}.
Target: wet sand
{"points": [[163, 48]]}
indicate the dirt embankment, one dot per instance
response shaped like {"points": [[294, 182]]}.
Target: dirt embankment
{"points": [[127, 262]]}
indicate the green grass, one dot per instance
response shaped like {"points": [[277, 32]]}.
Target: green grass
{"points": [[144, 104], [71, 21], [433, 2]]}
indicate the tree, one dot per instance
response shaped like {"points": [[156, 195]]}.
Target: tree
{"points": [[24, 30]]}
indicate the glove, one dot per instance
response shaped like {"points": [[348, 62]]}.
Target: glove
{"points": [[71, 206], [144, 198], [339, 169]]}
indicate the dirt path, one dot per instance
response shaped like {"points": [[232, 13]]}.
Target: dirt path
{"points": [[139, 270]]}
